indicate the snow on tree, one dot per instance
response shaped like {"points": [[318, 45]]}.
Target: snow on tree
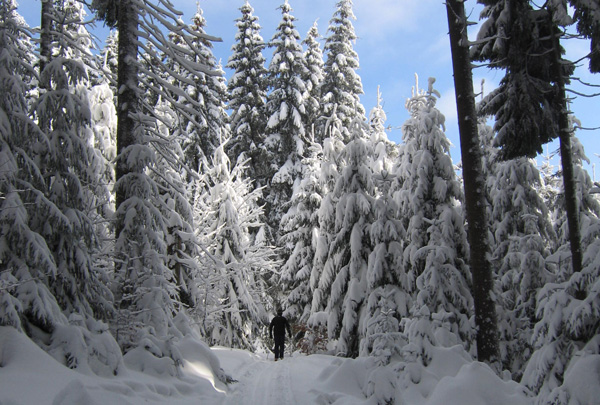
{"points": [[387, 303], [50, 287], [489, 159], [299, 228], [328, 174], [343, 281], [286, 140], [107, 60], [147, 171], [428, 196], [384, 151], [69, 164], [103, 122], [512, 38], [234, 291], [175, 195], [551, 184], [587, 16], [522, 237], [530, 105], [331, 133], [341, 87], [313, 75], [567, 329], [27, 262], [143, 292], [103, 117], [247, 89], [200, 129]]}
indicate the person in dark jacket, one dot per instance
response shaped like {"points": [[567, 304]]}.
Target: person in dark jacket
{"points": [[279, 324]]}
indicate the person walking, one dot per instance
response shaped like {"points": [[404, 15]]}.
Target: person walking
{"points": [[279, 324]]}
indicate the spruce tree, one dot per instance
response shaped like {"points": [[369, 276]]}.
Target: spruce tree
{"points": [[388, 301], [587, 16], [27, 264], [52, 289], [286, 131], [524, 105], [566, 331], [313, 76], [522, 238], [147, 289], [234, 292], [199, 130], [344, 276], [69, 166], [104, 126], [384, 151], [299, 227], [436, 252], [108, 61], [328, 175], [341, 86], [530, 106], [247, 90]]}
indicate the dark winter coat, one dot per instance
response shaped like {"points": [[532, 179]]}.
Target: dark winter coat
{"points": [[278, 325]]}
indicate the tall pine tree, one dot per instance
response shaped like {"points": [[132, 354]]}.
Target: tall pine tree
{"points": [[247, 89], [344, 277], [146, 166], [342, 85], [286, 131], [522, 238], [436, 253], [234, 290], [299, 228], [313, 75], [567, 331]]}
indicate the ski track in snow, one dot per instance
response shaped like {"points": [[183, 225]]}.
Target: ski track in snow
{"points": [[262, 382]]}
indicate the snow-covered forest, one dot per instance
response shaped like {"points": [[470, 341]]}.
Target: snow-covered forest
{"points": [[157, 207]]}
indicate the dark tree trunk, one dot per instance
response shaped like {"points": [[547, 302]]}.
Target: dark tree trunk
{"points": [[45, 51], [485, 311], [566, 157], [127, 102], [45, 36]]}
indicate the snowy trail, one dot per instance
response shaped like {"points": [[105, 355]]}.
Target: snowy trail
{"points": [[262, 381]]}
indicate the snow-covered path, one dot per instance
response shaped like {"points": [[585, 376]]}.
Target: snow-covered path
{"points": [[262, 381]]}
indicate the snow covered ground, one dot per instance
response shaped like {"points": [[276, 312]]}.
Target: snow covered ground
{"points": [[28, 375]]}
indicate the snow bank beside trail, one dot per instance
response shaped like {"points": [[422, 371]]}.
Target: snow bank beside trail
{"points": [[29, 375], [452, 378], [477, 384], [582, 381], [342, 382]]}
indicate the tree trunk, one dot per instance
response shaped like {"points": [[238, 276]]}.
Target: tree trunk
{"points": [[475, 203], [566, 157], [45, 51], [45, 37], [127, 102]]}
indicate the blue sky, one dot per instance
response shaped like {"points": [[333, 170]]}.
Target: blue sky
{"points": [[396, 40]]}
